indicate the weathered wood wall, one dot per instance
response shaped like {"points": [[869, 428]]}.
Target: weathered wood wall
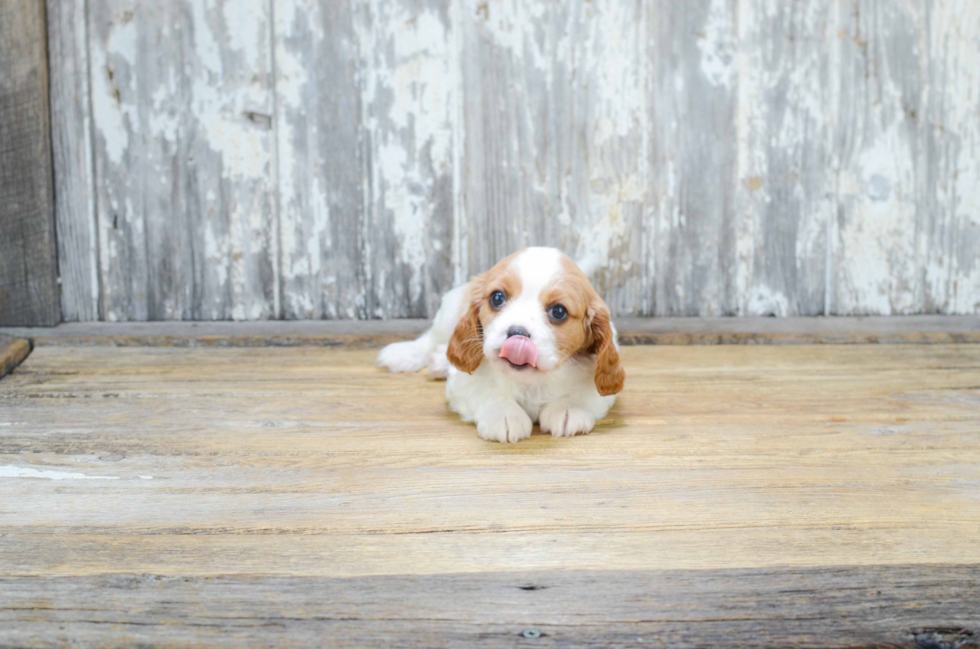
{"points": [[252, 159], [28, 260]]}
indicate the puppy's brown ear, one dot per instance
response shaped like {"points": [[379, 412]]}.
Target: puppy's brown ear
{"points": [[609, 373], [465, 349]]}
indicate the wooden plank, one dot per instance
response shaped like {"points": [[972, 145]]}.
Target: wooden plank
{"points": [[882, 84], [909, 229], [29, 293], [632, 331], [74, 175], [12, 353], [787, 92], [554, 117], [365, 146], [407, 97], [320, 160], [182, 109], [948, 179], [315, 462], [768, 496], [691, 249], [901, 606], [741, 157]]}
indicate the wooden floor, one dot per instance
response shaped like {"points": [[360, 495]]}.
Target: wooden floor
{"points": [[737, 496]]}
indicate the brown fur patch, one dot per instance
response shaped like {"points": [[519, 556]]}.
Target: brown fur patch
{"points": [[574, 292], [465, 350], [587, 330], [609, 373]]}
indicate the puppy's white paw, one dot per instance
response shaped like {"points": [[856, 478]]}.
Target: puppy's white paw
{"points": [[505, 422], [409, 356], [439, 363], [565, 421]]}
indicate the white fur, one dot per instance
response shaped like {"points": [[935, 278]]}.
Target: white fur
{"points": [[504, 403]]}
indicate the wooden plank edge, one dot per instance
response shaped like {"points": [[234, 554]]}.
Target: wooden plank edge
{"points": [[13, 351], [632, 331], [800, 338], [916, 606]]}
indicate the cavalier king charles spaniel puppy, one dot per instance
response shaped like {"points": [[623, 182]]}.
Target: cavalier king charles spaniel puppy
{"points": [[527, 341]]}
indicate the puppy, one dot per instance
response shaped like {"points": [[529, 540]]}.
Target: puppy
{"points": [[527, 341]]}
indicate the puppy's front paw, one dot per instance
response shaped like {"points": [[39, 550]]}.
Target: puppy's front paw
{"points": [[565, 421], [504, 423]]}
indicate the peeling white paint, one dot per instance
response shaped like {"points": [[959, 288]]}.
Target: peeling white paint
{"points": [[586, 140], [717, 44], [766, 302], [109, 110], [507, 24], [407, 92], [292, 77], [878, 262], [11, 471]]}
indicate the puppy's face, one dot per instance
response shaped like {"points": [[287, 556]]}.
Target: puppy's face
{"points": [[531, 313]]}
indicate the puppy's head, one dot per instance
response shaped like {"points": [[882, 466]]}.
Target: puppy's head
{"points": [[530, 314]]}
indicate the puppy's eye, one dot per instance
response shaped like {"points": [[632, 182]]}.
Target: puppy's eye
{"points": [[558, 313], [497, 299]]}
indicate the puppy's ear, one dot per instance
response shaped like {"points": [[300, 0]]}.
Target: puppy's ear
{"points": [[609, 373], [465, 349]]}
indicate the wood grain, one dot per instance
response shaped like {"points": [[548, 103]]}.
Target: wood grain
{"points": [[802, 456], [182, 111], [785, 116], [29, 293], [949, 160], [908, 235], [407, 95], [71, 138], [320, 160], [554, 120], [899, 606], [796, 495], [692, 248], [876, 270], [353, 159], [632, 331]]}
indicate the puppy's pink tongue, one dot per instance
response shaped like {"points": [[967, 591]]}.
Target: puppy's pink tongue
{"points": [[520, 351]]}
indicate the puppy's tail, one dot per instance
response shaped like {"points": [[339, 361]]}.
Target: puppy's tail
{"points": [[408, 356]]}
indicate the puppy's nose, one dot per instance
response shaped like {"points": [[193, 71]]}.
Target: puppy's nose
{"points": [[518, 331]]}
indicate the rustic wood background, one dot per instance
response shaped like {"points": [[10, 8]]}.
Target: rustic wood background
{"points": [[29, 292], [256, 159]]}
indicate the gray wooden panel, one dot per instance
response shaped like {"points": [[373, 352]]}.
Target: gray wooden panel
{"points": [[949, 156], [881, 91], [182, 109], [913, 330], [29, 293], [894, 606], [365, 157], [321, 198], [554, 121], [407, 95], [694, 81], [787, 89], [71, 136], [712, 157]]}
